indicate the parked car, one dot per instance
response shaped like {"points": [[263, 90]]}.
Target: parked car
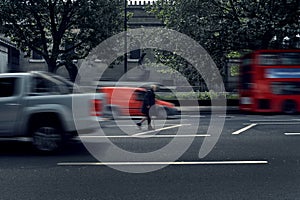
{"points": [[127, 101], [38, 106]]}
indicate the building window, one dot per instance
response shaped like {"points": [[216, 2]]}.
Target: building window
{"points": [[136, 54], [36, 56]]}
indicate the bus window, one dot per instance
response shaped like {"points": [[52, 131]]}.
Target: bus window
{"points": [[269, 59], [286, 88], [290, 59]]}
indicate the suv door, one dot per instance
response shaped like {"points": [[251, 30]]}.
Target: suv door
{"points": [[9, 105]]}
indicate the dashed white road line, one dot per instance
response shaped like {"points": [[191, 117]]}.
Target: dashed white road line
{"points": [[292, 134], [226, 116], [273, 120], [160, 129], [194, 116], [134, 125], [163, 163], [143, 136], [275, 123], [243, 129], [119, 125]]}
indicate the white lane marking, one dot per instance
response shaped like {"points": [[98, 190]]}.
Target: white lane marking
{"points": [[197, 116], [134, 125], [291, 134], [162, 163], [143, 136], [128, 125], [243, 129], [140, 117], [119, 125], [275, 123], [130, 117], [272, 120], [192, 116], [157, 130], [225, 116]]}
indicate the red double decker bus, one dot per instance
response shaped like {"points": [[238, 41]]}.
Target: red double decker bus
{"points": [[270, 81]]}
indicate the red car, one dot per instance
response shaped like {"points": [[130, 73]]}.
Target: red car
{"points": [[127, 101]]}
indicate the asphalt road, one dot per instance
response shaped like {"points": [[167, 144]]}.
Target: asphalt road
{"points": [[255, 157]]}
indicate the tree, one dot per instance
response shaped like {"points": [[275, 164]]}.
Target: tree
{"points": [[223, 26], [60, 30]]}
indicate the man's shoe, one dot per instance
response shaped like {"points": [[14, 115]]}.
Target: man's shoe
{"points": [[139, 124]]}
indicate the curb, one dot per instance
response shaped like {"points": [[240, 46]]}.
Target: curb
{"points": [[207, 109]]}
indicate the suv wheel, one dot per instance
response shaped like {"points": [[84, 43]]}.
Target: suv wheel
{"points": [[47, 137]]}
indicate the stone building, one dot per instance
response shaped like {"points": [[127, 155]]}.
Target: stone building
{"points": [[9, 56]]}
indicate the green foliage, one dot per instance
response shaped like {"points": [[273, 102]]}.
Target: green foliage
{"points": [[232, 25], [227, 27], [234, 54], [60, 29], [177, 66], [234, 70], [196, 96]]}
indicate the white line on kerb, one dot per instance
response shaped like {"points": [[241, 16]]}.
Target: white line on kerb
{"points": [[162, 163], [291, 134], [243, 129]]}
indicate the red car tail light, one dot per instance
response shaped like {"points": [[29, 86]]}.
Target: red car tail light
{"points": [[96, 108]]}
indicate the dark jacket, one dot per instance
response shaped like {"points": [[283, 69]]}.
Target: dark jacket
{"points": [[149, 100]]}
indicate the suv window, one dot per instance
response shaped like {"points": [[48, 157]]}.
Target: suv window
{"points": [[42, 86], [45, 82], [7, 86]]}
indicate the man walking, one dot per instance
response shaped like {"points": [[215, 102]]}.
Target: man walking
{"points": [[148, 103]]}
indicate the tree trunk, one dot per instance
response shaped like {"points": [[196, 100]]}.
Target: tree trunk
{"points": [[52, 67], [72, 70]]}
